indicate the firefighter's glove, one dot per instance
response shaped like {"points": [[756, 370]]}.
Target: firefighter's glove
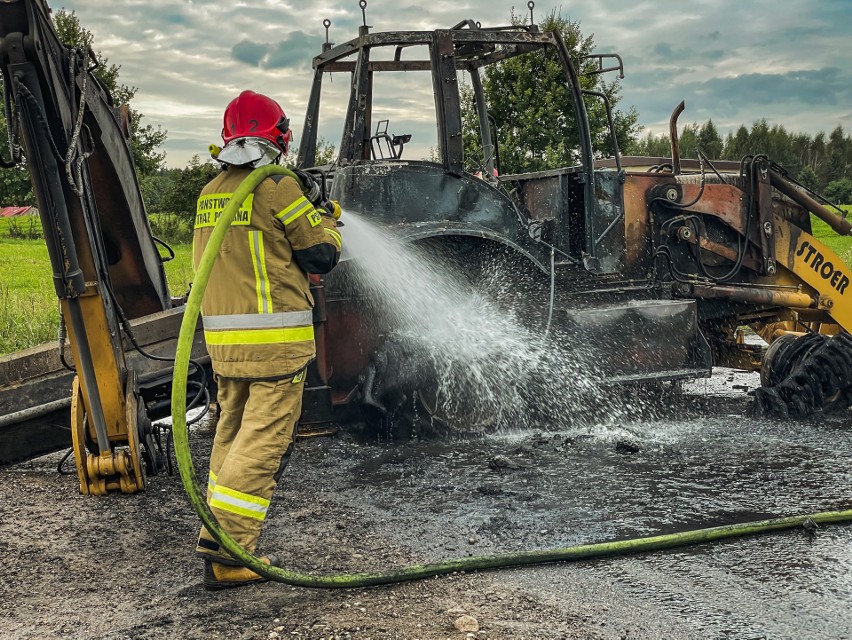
{"points": [[310, 187], [332, 208]]}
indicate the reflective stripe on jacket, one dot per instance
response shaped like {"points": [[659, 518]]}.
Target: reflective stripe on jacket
{"points": [[257, 307]]}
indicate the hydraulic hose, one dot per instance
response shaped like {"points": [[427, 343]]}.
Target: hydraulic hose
{"points": [[414, 572]]}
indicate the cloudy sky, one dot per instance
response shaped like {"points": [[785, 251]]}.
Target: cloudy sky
{"points": [[732, 60]]}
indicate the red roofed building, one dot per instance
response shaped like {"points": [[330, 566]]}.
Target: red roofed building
{"points": [[11, 212]]}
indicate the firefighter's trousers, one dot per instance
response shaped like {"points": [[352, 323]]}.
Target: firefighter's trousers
{"points": [[254, 438]]}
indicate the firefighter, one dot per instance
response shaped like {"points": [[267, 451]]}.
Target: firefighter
{"points": [[257, 315]]}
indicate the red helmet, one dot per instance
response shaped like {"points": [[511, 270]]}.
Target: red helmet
{"points": [[254, 115]]}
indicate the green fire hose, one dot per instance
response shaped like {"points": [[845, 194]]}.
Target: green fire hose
{"points": [[416, 572]]}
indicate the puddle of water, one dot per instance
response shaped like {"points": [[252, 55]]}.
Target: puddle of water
{"points": [[692, 471]]}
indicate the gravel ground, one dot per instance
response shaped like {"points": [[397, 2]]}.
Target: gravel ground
{"points": [[123, 566]]}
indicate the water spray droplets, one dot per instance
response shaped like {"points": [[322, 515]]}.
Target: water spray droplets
{"points": [[482, 363]]}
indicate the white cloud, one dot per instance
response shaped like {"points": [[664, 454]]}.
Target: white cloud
{"points": [[180, 55]]}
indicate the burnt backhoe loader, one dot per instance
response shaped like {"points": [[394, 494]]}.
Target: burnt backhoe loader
{"points": [[655, 264]]}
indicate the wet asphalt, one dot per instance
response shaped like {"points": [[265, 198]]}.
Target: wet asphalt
{"points": [[699, 462], [353, 503]]}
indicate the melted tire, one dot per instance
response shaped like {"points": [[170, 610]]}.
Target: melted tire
{"points": [[820, 382], [403, 391]]}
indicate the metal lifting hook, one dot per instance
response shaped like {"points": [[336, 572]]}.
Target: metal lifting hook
{"points": [[326, 45], [531, 6], [365, 28]]}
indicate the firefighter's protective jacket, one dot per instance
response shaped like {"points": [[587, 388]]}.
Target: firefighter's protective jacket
{"points": [[257, 309]]}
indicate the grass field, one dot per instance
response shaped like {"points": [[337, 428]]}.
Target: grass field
{"points": [[29, 310], [841, 245], [28, 306]]}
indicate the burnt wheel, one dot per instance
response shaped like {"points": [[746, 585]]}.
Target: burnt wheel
{"points": [[460, 377]]}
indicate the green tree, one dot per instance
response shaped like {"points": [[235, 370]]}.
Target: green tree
{"points": [[184, 186], [819, 162], [758, 139], [145, 140], [154, 188], [651, 146], [692, 139], [818, 155], [839, 191], [709, 141], [808, 178], [326, 153], [688, 141], [800, 144], [15, 185], [837, 156], [534, 110], [145, 143], [737, 145], [781, 148]]}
